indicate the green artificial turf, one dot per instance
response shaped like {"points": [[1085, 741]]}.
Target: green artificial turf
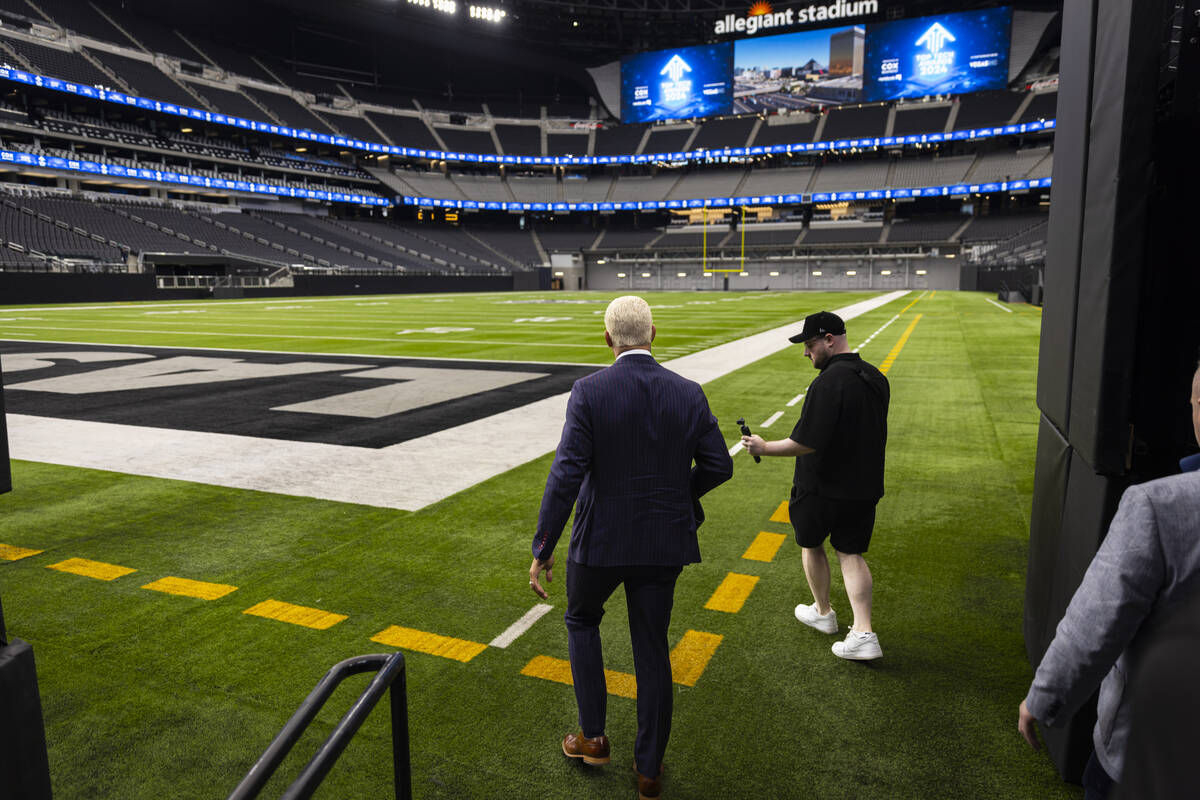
{"points": [[148, 695]]}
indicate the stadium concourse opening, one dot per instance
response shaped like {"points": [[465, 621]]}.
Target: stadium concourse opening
{"points": [[291, 298]]}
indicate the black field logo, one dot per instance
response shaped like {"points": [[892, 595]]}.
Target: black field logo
{"points": [[359, 401]]}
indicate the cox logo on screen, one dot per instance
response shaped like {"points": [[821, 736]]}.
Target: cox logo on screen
{"points": [[676, 90], [938, 60]]}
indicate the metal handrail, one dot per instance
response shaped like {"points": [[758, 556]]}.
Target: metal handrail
{"points": [[391, 675]]}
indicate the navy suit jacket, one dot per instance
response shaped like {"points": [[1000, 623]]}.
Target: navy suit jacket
{"points": [[632, 432]]}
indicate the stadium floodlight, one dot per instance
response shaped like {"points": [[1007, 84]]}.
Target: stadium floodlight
{"points": [[645, 274], [744, 274], [885, 272], [558, 274], [851, 272], [445, 6], [817, 273], [949, 255], [602, 261], [773, 274], [487, 13], [680, 274], [708, 274], [620, 274], [922, 272]]}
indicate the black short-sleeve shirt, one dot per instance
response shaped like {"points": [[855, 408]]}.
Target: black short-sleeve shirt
{"points": [[844, 420]]}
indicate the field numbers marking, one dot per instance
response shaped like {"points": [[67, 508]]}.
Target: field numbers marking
{"points": [[420, 387]]}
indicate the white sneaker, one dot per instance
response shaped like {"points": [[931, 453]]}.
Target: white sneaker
{"points": [[858, 647], [809, 616]]}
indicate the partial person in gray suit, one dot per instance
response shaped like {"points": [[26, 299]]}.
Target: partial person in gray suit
{"points": [[1146, 568]]}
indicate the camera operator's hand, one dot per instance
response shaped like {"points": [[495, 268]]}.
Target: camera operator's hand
{"points": [[754, 445]]}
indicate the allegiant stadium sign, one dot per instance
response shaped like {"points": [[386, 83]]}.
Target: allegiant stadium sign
{"points": [[753, 23]]}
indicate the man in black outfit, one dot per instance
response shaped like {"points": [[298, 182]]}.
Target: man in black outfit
{"points": [[839, 447]]}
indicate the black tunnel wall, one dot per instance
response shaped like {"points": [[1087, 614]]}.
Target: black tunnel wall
{"points": [[1120, 330]]}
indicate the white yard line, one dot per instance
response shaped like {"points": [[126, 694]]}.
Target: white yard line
{"points": [[407, 476], [733, 451], [997, 305], [796, 399], [520, 626], [771, 419]]}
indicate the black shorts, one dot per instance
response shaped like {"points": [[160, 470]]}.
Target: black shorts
{"points": [[847, 523]]}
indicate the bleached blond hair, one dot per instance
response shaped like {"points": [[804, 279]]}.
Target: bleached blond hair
{"points": [[628, 321]]}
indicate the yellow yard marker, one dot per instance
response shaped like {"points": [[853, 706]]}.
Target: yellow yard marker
{"points": [[781, 514], [731, 595], [91, 569], [190, 588], [691, 656], [10, 552], [913, 303], [764, 547], [622, 684], [891, 357], [297, 615], [688, 661], [431, 643]]}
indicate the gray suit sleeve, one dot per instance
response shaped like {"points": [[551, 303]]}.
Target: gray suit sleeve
{"points": [[1116, 595]]}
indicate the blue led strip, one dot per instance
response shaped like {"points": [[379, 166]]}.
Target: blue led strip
{"points": [[162, 176], [728, 202], [120, 98]]}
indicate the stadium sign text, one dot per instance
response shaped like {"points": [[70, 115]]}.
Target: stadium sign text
{"points": [[753, 23]]}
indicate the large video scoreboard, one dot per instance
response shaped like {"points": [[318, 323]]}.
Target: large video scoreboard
{"points": [[810, 69]]}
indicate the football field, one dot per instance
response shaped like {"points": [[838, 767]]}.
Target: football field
{"points": [[214, 502]]}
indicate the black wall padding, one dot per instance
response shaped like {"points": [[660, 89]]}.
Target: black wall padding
{"points": [[1066, 212], [24, 767], [1113, 246], [1120, 329], [5, 471]]}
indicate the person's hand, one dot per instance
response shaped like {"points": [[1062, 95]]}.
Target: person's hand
{"points": [[754, 445], [535, 571], [1027, 725]]}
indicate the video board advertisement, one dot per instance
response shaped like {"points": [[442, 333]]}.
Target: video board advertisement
{"points": [[677, 84], [798, 70], [944, 54]]}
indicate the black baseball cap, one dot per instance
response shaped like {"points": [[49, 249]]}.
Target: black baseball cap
{"points": [[819, 324]]}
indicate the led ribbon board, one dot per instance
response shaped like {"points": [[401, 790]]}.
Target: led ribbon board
{"points": [[945, 54], [677, 84]]}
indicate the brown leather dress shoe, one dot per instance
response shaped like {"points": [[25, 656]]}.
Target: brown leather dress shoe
{"points": [[649, 788], [592, 751]]}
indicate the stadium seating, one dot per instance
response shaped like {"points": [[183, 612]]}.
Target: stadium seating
{"points": [[933, 229], [855, 123], [145, 79], [912, 119]]}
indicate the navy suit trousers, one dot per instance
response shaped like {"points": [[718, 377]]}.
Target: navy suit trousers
{"points": [[649, 596]]}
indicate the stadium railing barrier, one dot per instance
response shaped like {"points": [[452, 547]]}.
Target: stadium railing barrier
{"points": [[390, 678]]}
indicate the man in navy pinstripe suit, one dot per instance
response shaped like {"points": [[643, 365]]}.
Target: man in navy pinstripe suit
{"points": [[632, 433]]}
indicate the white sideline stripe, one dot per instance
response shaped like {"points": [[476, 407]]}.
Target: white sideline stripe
{"points": [[867, 341], [520, 626], [997, 305], [733, 451], [771, 419], [796, 399], [408, 476]]}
